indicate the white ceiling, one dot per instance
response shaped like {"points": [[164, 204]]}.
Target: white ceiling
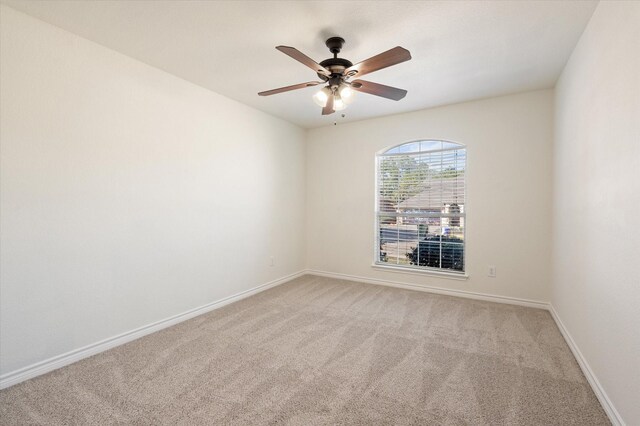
{"points": [[462, 50]]}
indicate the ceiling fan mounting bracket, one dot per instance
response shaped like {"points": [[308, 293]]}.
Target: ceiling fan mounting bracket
{"points": [[335, 45]]}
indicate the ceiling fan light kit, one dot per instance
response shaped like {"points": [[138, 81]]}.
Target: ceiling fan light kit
{"points": [[337, 73]]}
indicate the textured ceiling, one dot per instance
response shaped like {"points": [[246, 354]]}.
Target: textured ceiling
{"points": [[462, 50]]}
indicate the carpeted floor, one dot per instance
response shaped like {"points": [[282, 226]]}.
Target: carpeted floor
{"points": [[323, 351]]}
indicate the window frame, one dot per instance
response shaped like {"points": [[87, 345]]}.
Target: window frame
{"points": [[412, 269]]}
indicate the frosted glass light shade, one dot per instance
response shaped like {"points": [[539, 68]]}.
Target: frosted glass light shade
{"points": [[347, 94], [321, 97]]}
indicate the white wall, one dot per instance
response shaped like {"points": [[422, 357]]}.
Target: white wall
{"points": [[596, 202], [129, 195], [508, 143]]}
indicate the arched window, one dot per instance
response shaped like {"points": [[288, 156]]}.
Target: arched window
{"points": [[421, 207]]}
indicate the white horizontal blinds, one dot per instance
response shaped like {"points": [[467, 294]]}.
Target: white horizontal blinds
{"points": [[421, 205]]}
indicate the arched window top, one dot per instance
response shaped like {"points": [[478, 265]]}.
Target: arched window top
{"points": [[417, 147]]}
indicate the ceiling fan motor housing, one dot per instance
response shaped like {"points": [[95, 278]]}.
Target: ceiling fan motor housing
{"points": [[335, 65]]}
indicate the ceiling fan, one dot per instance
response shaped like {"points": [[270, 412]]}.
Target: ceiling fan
{"points": [[338, 72]]}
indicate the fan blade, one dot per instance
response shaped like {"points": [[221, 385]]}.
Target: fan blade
{"points": [[378, 89], [294, 87], [328, 108], [304, 59], [378, 62]]}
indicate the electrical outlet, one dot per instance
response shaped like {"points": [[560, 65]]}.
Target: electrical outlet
{"points": [[272, 262], [492, 271]]}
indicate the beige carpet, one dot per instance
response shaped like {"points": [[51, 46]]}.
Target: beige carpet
{"points": [[323, 351]]}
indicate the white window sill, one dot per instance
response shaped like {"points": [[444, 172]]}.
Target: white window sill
{"points": [[411, 271]]}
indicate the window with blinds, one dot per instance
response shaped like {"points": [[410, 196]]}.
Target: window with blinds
{"points": [[420, 212]]}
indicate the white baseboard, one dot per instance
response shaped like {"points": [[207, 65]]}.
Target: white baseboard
{"points": [[42, 367], [59, 361], [437, 290], [606, 403]]}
